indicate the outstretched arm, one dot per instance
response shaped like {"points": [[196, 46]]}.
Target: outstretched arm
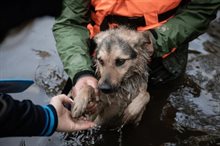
{"points": [[23, 118], [72, 38]]}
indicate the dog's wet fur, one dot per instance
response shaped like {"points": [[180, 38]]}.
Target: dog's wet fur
{"points": [[121, 60]]}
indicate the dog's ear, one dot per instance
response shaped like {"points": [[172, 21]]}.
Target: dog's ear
{"points": [[100, 37], [96, 41], [149, 42]]}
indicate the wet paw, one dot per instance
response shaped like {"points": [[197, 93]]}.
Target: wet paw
{"points": [[130, 114], [81, 101], [79, 106], [134, 111]]}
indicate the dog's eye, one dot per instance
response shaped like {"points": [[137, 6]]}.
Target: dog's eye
{"points": [[101, 61], [119, 62]]}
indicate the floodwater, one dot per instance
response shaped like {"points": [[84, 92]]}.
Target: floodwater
{"points": [[183, 113]]}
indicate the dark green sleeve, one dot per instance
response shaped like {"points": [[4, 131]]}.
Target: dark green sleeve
{"points": [[190, 21], [72, 36]]}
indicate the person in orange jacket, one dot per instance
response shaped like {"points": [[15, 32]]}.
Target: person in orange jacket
{"points": [[173, 23]]}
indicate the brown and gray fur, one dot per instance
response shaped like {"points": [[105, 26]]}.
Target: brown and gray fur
{"points": [[121, 60]]}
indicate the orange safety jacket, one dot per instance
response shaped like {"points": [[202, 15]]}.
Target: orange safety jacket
{"points": [[149, 10], [144, 14]]}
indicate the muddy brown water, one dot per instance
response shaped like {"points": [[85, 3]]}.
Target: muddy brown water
{"points": [[185, 112]]}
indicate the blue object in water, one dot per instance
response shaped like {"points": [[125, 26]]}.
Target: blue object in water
{"points": [[14, 85]]}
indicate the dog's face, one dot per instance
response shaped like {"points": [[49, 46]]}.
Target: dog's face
{"points": [[117, 55]]}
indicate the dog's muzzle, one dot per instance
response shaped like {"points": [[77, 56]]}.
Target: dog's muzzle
{"points": [[106, 88]]}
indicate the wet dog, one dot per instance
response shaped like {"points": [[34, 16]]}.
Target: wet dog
{"points": [[121, 60]]}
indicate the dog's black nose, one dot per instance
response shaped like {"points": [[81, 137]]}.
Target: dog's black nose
{"points": [[106, 88]]}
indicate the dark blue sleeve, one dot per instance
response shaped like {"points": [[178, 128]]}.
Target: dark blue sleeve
{"points": [[23, 118]]}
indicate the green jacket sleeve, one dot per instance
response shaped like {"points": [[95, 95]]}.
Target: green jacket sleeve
{"points": [[72, 36], [190, 21]]}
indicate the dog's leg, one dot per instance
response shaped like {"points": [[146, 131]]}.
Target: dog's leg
{"points": [[81, 101], [136, 108], [108, 112]]}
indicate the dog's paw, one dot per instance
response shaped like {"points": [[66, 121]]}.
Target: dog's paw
{"points": [[132, 114], [79, 106], [81, 101], [134, 111]]}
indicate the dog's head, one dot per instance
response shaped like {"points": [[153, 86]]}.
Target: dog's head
{"points": [[120, 54]]}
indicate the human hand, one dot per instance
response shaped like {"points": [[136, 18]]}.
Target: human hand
{"points": [[65, 122], [84, 81]]}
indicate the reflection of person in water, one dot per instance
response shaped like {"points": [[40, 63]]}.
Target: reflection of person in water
{"points": [[23, 118]]}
